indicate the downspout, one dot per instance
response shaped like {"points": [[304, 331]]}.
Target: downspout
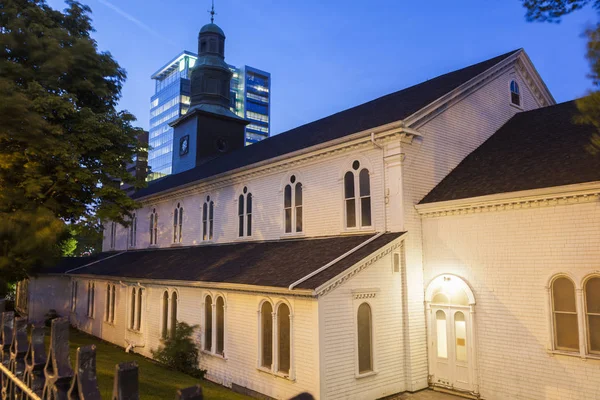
{"points": [[385, 185], [329, 264]]}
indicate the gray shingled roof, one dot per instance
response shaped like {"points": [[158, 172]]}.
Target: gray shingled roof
{"points": [[275, 263], [534, 149], [387, 109]]}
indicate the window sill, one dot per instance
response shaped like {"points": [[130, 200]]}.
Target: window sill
{"points": [[134, 331], [89, 317], [293, 235], [275, 374], [365, 374], [353, 231], [520, 108], [177, 244], [215, 355], [574, 354], [109, 323]]}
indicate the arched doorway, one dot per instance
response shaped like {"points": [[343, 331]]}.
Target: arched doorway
{"points": [[450, 305]]}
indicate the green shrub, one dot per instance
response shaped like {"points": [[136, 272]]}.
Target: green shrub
{"points": [[179, 351]]}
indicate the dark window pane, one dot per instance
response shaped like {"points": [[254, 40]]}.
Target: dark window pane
{"points": [[241, 205], [283, 328], [567, 332], [365, 211], [132, 320], [212, 209], [204, 212], [563, 292], [266, 334], [112, 305], [220, 325], [594, 332], [249, 204], [173, 313], [516, 99], [364, 184], [165, 316], [288, 220], [204, 230], [139, 310], [592, 295], [349, 185], [208, 323], [287, 196], [249, 222], [298, 194], [350, 213], [241, 226], [298, 219], [364, 338]]}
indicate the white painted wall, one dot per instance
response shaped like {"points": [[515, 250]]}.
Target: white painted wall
{"points": [[48, 292], [447, 140], [508, 257]]}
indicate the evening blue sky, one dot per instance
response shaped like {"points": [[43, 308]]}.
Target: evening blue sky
{"points": [[326, 56]]}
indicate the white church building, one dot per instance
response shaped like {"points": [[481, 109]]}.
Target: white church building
{"points": [[446, 235]]}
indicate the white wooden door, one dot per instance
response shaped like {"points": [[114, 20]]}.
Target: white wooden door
{"points": [[451, 348]]}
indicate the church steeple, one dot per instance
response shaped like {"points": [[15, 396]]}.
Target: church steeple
{"points": [[211, 76]]}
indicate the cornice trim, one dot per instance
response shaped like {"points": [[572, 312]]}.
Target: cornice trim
{"points": [[525, 199]]}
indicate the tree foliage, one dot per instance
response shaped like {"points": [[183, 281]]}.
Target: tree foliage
{"points": [[179, 351], [553, 11], [63, 144]]}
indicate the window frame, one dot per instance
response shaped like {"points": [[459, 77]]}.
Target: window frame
{"points": [[245, 224], [153, 225], [207, 213], [109, 303], [91, 294], [113, 235], [137, 298], [359, 297], [74, 289], [517, 93], [213, 351], [586, 313], [293, 181], [357, 197], [133, 231], [178, 223], [275, 339]]}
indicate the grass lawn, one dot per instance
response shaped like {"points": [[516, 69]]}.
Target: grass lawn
{"points": [[156, 381]]}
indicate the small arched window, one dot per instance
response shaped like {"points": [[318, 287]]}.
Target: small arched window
{"points": [[133, 230], [564, 310], [515, 94], [208, 219], [153, 226], [283, 338], [357, 211], [174, 299], [165, 315], [177, 223], [245, 213], [292, 206], [592, 310], [208, 316], [365, 340], [220, 317], [266, 335]]}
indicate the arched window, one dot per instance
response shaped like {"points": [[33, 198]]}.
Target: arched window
{"points": [[515, 94], [245, 213], [357, 211], [283, 338], [365, 340], [173, 313], [220, 317], [109, 310], [592, 310], [153, 226], [74, 285], [208, 219], [133, 231], [132, 316], [208, 316], [113, 234], [292, 206], [177, 223], [113, 304], [90, 299], [564, 310], [165, 315], [266, 335]]}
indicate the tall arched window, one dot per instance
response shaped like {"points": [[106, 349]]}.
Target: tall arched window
{"points": [[132, 319], [220, 322], [208, 323], [165, 315], [283, 338], [109, 311], [173, 313], [153, 226], [208, 219], [245, 213], [365, 340], [564, 309], [74, 286], [515, 94], [592, 310], [177, 223], [113, 234], [357, 211], [266, 335], [292, 206], [133, 231], [90, 299]]}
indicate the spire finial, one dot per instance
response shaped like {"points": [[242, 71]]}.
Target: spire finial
{"points": [[212, 12]]}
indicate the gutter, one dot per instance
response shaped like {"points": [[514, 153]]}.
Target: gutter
{"points": [[329, 264]]}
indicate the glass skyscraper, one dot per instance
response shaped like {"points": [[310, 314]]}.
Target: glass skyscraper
{"points": [[250, 99]]}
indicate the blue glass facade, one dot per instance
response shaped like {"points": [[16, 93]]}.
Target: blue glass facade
{"points": [[250, 99]]}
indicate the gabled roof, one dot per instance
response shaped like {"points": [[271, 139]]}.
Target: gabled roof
{"points": [[534, 149], [384, 110], [275, 264]]}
